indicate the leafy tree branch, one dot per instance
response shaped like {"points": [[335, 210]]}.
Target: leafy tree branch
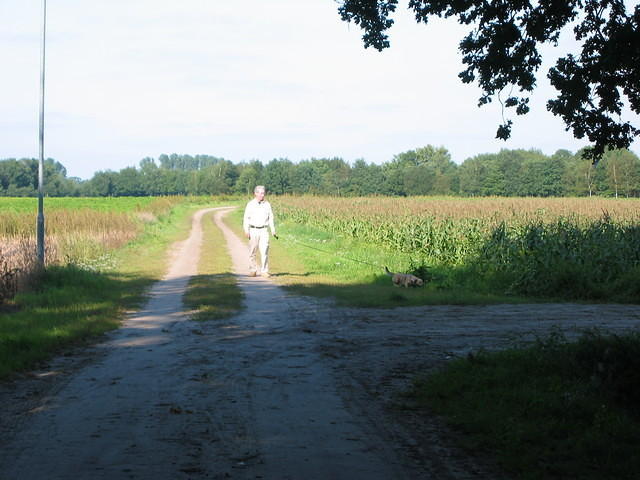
{"points": [[502, 51]]}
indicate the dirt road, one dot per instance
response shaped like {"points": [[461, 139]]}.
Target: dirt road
{"points": [[291, 388]]}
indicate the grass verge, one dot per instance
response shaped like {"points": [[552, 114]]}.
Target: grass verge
{"points": [[213, 293], [312, 262], [68, 305], [553, 410], [71, 304]]}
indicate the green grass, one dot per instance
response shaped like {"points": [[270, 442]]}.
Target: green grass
{"points": [[213, 294], [553, 410], [117, 204], [71, 304], [147, 255], [309, 261], [68, 306]]}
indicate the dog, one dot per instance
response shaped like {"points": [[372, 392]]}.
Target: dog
{"points": [[404, 279]]}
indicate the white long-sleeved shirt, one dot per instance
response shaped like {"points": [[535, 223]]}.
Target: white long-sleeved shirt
{"points": [[258, 214]]}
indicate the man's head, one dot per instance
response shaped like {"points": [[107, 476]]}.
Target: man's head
{"points": [[259, 192]]}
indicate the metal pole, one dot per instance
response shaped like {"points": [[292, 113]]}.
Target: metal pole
{"points": [[40, 223]]}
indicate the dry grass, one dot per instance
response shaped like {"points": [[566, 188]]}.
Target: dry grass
{"points": [[495, 208], [79, 236], [18, 264]]}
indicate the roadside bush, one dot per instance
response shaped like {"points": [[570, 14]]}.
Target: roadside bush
{"points": [[612, 365], [555, 409], [568, 258]]}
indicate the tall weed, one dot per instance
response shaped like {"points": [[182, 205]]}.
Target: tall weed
{"points": [[79, 231]]}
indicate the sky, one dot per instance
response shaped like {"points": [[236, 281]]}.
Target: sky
{"points": [[128, 79]]}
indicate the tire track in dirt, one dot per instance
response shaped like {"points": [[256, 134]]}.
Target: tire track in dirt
{"points": [[300, 425]]}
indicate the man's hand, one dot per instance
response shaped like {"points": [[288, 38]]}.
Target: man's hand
{"points": [[247, 234]]}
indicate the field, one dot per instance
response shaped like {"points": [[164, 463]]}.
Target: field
{"points": [[79, 231], [558, 248], [548, 249], [100, 262], [105, 253], [105, 204]]}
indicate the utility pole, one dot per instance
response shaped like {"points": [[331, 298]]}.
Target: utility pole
{"points": [[40, 222]]}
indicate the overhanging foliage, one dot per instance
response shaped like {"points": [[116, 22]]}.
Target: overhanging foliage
{"points": [[501, 52]]}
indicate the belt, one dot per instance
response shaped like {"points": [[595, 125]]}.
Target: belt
{"points": [[252, 226]]}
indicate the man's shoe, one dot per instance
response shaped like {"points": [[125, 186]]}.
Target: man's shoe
{"points": [[252, 274], [265, 274]]}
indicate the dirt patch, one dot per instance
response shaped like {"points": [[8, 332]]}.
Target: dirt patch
{"points": [[292, 387]]}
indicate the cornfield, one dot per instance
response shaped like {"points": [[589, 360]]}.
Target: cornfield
{"points": [[583, 247]]}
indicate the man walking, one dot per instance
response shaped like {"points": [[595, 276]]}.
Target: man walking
{"points": [[258, 216]]}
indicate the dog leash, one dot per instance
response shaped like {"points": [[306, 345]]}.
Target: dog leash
{"points": [[335, 254]]}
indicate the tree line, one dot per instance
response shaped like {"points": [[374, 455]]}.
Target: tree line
{"points": [[424, 171]]}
